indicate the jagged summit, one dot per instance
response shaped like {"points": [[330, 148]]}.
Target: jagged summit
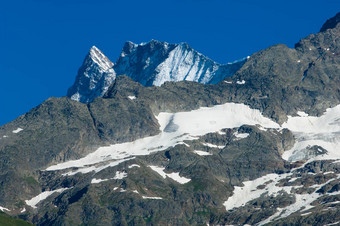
{"points": [[151, 63], [93, 78]]}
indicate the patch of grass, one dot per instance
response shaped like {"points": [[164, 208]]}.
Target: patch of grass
{"points": [[10, 221], [147, 219], [31, 180], [20, 204], [203, 214], [197, 186]]}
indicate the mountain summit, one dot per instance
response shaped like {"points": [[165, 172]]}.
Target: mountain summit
{"points": [[94, 77], [151, 63]]}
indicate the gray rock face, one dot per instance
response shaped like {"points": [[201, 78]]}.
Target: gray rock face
{"points": [[150, 64]]}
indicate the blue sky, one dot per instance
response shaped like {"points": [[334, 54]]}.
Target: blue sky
{"points": [[45, 41]]}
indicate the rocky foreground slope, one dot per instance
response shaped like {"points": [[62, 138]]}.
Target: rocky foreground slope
{"points": [[260, 147]]}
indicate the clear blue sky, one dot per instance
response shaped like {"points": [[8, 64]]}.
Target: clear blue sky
{"points": [[45, 41]]}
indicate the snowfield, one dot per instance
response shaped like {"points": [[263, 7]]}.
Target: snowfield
{"points": [[311, 131], [174, 176], [42, 196], [175, 127]]}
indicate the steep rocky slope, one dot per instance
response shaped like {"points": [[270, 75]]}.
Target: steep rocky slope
{"points": [[260, 147]]}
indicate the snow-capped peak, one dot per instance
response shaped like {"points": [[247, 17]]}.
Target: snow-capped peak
{"points": [[94, 77], [151, 63]]}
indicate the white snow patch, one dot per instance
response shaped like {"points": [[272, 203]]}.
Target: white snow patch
{"points": [[335, 223], [3, 208], [241, 135], [17, 130], [202, 153], [184, 144], [134, 165], [148, 197], [23, 210], [115, 188], [299, 61], [76, 96], [221, 133], [4, 136], [302, 114], [132, 97], [120, 175], [241, 82], [213, 145], [332, 203], [42, 196], [329, 172], [87, 169], [175, 176], [308, 131], [305, 214], [228, 82], [97, 181], [292, 179], [135, 191]]}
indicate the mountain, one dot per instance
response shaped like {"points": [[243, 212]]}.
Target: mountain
{"points": [[94, 77], [259, 148], [150, 64]]}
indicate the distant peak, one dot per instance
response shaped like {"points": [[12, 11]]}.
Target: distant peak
{"points": [[153, 44], [156, 41], [94, 48], [331, 23], [94, 51], [99, 58]]}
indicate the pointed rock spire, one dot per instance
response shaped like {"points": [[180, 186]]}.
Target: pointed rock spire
{"points": [[94, 77]]}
